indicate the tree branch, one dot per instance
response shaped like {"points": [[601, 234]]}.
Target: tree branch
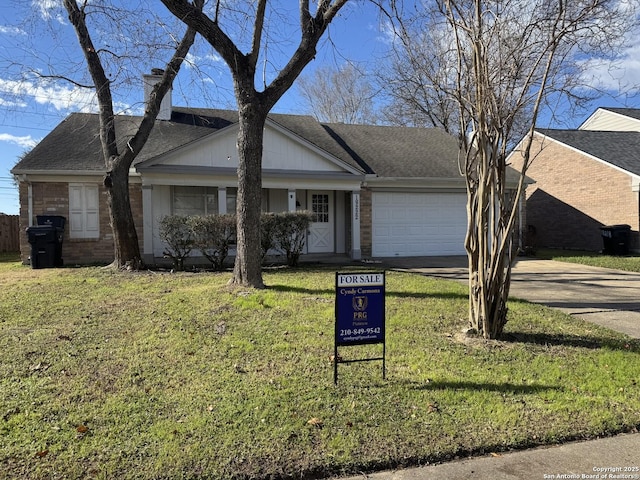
{"points": [[305, 15], [102, 85], [160, 90], [258, 29], [62, 77], [211, 31], [306, 51]]}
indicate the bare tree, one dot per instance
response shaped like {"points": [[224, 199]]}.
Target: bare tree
{"points": [[417, 77], [118, 163], [503, 62], [339, 95], [217, 27]]}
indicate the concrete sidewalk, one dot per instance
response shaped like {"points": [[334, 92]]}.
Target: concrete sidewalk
{"points": [[609, 298], [602, 459]]}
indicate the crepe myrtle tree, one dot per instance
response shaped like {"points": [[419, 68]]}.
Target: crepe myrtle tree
{"points": [[118, 161], [242, 54], [498, 64]]}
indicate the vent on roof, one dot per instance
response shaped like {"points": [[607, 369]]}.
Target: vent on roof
{"points": [[149, 81]]}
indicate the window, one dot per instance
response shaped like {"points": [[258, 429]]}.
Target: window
{"points": [[232, 197], [195, 200], [201, 200], [84, 218], [320, 207]]}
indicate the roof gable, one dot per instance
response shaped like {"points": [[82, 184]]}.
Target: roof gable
{"points": [[282, 151], [613, 119]]}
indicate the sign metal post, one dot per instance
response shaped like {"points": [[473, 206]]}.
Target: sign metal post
{"points": [[360, 314]]}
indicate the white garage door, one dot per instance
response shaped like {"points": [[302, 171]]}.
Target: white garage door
{"points": [[418, 224]]}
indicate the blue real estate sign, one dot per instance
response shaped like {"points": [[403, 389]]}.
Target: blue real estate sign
{"points": [[360, 308]]}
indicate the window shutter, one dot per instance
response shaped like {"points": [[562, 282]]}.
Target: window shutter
{"points": [[84, 218]]}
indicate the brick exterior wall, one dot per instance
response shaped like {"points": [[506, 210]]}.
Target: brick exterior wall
{"points": [[574, 195], [366, 222], [53, 199]]}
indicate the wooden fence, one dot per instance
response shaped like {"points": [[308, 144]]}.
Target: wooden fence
{"points": [[9, 233]]}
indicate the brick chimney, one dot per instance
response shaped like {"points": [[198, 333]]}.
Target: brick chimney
{"points": [[149, 80]]}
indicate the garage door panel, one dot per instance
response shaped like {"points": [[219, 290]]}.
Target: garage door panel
{"points": [[417, 224]]}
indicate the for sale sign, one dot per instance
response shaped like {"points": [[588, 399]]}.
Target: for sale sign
{"points": [[360, 308]]}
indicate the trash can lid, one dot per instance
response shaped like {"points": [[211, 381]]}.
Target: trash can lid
{"points": [[54, 220]]}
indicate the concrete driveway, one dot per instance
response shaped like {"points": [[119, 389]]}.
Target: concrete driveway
{"points": [[610, 298]]}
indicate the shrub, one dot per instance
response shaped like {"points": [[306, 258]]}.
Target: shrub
{"points": [[212, 235], [175, 231], [290, 234], [267, 233]]}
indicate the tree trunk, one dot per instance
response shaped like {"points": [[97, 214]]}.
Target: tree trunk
{"points": [[248, 264], [125, 237], [489, 247], [488, 294]]}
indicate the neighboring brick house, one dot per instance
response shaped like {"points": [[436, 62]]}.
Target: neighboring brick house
{"points": [[376, 191], [585, 179]]}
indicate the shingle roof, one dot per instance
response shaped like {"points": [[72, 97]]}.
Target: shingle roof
{"points": [[401, 151], [74, 145], [621, 149]]}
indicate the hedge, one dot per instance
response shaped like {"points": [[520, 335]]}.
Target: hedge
{"points": [[213, 235]]}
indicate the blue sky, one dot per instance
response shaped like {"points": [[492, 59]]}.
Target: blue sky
{"points": [[36, 34], [30, 107]]}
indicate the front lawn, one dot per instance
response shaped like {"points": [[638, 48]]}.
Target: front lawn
{"points": [[629, 263], [158, 375]]}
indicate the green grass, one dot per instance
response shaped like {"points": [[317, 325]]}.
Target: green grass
{"points": [[157, 375], [629, 263], [9, 257]]}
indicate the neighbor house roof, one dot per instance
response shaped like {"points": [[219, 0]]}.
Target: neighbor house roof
{"points": [[627, 112], [621, 149], [74, 145]]}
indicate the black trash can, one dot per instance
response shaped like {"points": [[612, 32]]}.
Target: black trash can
{"points": [[43, 240], [615, 239], [46, 241], [58, 222]]}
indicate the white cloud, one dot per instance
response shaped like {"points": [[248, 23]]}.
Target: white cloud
{"points": [[10, 30], [26, 142], [8, 103], [192, 60], [50, 9], [47, 92], [619, 73]]}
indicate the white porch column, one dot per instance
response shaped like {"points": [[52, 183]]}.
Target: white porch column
{"points": [[291, 200], [356, 254], [147, 222], [222, 200]]}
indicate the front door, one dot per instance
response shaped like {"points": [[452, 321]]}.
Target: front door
{"points": [[321, 232]]}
